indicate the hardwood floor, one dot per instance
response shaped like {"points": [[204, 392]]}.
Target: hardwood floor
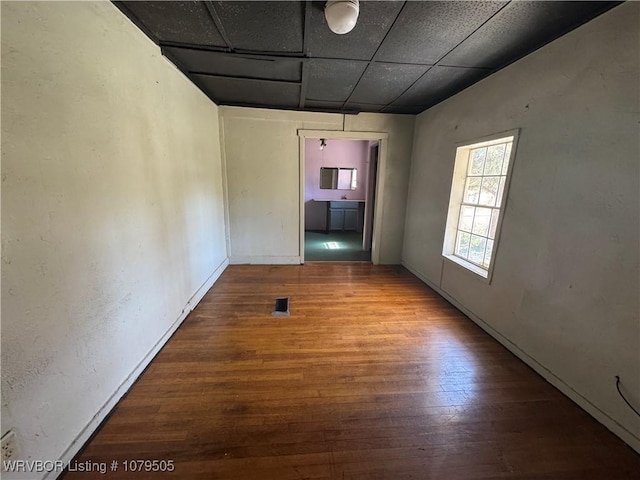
{"points": [[373, 376]]}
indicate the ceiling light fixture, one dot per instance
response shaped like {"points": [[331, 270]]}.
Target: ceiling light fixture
{"points": [[323, 143], [341, 15]]}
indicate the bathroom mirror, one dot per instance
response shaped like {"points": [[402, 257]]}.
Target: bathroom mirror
{"points": [[334, 178]]}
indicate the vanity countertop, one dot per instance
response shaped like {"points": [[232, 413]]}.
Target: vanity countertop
{"points": [[336, 200]]}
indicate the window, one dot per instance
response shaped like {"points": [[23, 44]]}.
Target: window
{"points": [[478, 193]]}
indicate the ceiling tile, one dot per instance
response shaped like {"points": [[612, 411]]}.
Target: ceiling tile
{"points": [[215, 63], [363, 107], [382, 83], [322, 105], [374, 20], [333, 80], [426, 31], [263, 26], [242, 91], [440, 83], [183, 22], [405, 109], [520, 28]]}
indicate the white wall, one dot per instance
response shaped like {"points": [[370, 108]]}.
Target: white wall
{"points": [[261, 149], [112, 220], [564, 294]]}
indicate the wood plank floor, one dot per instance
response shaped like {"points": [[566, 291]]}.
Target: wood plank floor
{"points": [[373, 376]]}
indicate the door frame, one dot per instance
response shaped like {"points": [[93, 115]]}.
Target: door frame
{"points": [[369, 210], [383, 140]]}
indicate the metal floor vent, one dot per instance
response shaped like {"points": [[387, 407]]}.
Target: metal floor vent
{"points": [[282, 307]]}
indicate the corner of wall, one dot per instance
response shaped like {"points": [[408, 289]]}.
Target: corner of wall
{"points": [[225, 184]]}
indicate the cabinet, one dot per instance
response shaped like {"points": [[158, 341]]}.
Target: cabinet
{"points": [[342, 215]]}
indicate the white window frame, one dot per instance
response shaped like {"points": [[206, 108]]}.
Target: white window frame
{"points": [[458, 183]]}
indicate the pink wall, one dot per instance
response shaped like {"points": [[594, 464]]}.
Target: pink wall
{"points": [[337, 153]]}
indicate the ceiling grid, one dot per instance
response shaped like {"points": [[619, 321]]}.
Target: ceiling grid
{"points": [[401, 57]]}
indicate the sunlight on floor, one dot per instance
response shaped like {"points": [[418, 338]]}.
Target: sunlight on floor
{"points": [[335, 246]]}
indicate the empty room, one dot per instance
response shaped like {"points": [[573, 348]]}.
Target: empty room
{"points": [[320, 240]]}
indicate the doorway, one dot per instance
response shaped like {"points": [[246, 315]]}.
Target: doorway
{"points": [[339, 181]]}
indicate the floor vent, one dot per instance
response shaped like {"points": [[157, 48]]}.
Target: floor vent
{"points": [[282, 307]]}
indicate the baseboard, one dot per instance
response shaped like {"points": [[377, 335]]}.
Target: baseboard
{"points": [[619, 430], [201, 292], [124, 387], [264, 260]]}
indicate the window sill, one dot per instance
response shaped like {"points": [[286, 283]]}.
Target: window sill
{"points": [[482, 273]]}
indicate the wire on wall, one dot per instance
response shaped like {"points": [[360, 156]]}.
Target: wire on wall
{"points": [[623, 397]]}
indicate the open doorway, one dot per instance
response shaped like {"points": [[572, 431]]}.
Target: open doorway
{"points": [[335, 186], [339, 179]]}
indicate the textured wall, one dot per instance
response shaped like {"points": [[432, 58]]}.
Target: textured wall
{"points": [[112, 212], [565, 287]]}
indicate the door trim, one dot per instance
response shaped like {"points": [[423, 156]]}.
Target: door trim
{"points": [[367, 230]]}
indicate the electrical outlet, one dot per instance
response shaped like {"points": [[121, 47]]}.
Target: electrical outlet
{"points": [[9, 446]]}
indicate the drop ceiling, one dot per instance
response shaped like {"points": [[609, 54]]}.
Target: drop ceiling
{"points": [[402, 57]]}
